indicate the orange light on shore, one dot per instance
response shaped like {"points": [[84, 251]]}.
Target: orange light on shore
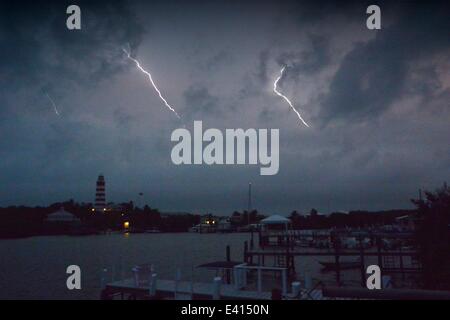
{"points": [[126, 224]]}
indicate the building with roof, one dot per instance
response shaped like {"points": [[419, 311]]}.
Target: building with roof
{"points": [[62, 216]]}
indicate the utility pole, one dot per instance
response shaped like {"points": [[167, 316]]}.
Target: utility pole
{"points": [[249, 202]]}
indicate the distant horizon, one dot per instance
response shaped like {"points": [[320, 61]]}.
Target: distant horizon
{"points": [[305, 212]]}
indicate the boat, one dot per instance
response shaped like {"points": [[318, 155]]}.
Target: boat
{"points": [[154, 230], [342, 265], [195, 228], [134, 230], [303, 243]]}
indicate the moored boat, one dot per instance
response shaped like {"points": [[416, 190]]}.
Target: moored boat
{"points": [[342, 265]]}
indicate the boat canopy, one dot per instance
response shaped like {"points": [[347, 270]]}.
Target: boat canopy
{"points": [[275, 219], [62, 216], [220, 265]]}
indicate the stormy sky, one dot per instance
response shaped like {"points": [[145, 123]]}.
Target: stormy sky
{"points": [[377, 101]]}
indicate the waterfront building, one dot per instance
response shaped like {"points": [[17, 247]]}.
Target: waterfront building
{"points": [[62, 216], [224, 225]]}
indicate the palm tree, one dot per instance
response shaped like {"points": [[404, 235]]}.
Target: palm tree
{"points": [[432, 237]]}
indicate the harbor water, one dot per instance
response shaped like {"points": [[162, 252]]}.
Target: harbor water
{"points": [[35, 268]]}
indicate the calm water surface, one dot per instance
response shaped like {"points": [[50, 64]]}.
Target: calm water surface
{"points": [[34, 268]]}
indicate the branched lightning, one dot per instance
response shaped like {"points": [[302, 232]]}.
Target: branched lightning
{"points": [[285, 98], [151, 81], [53, 103]]}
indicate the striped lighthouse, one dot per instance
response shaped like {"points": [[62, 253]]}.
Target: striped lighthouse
{"points": [[100, 194]]}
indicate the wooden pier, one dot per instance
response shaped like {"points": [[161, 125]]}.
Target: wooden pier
{"points": [[186, 290], [283, 251]]}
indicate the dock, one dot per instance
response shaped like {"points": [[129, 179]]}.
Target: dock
{"points": [[171, 289], [281, 248]]}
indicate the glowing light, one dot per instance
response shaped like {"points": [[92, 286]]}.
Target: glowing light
{"points": [[285, 98], [126, 224], [151, 81]]}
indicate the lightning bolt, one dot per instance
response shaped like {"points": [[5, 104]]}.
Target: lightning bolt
{"points": [[151, 81], [285, 98], [53, 103]]}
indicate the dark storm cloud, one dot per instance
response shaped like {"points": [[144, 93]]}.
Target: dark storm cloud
{"points": [[372, 76], [199, 102], [312, 60], [123, 118], [40, 55], [262, 66], [311, 12], [216, 62], [258, 78], [64, 140], [52, 55], [426, 82]]}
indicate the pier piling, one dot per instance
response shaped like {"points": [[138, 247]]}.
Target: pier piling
{"points": [[216, 288], [362, 263], [296, 289], [336, 260], [228, 258]]}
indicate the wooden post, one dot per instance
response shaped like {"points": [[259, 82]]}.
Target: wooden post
{"points": [[336, 260], [259, 237], [296, 289], [245, 251], [122, 272], [152, 289], [401, 264], [259, 281], [292, 257], [216, 288], [287, 258], [177, 280], [380, 257], [338, 269], [103, 282], [380, 260], [308, 281], [240, 277], [103, 278], [228, 256], [236, 278], [113, 273], [362, 264]]}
